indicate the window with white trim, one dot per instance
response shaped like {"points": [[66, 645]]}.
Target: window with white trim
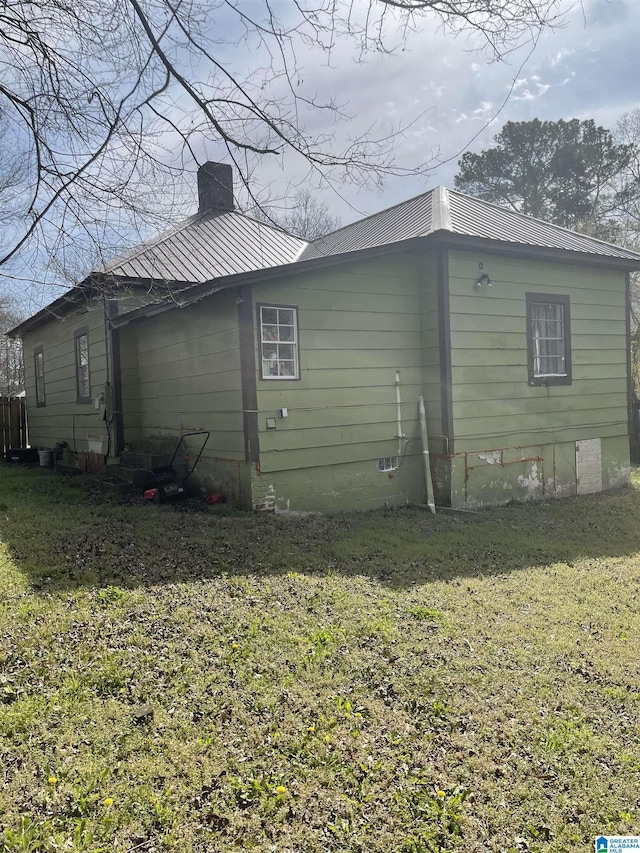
{"points": [[548, 339], [279, 342]]}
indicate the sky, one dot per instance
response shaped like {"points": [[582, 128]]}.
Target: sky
{"points": [[450, 96], [587, 68]]}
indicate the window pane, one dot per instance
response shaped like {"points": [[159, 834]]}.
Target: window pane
{"points": [[39, 377], [548, 328], [287, 333], [551, 366], [269, 333], [548, 334], [285, 316], [286, 351], [83, 382], [547, 311], [83, 350], [553, 348], [82, 366], [287, 368], [269, 315]]}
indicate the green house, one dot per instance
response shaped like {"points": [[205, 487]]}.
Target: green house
{"points": [[306, 361]]}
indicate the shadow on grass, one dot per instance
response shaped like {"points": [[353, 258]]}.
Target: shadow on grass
{"points": [[64, 533]]}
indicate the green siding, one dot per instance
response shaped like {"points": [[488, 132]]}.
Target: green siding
{"points": [[430, 345], [358, 325], [63, 418], [181, 373], [493, 405], [332, 488], [128, 298]]}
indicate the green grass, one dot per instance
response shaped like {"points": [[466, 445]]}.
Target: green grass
{"points": [[178, 680]]}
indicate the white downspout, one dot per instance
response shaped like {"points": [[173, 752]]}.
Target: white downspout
{"points": [[428, 482], [400, 435]]}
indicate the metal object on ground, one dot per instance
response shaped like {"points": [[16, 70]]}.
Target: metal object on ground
{"points": [[168, 485]]}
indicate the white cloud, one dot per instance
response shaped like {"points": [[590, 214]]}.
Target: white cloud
{"points": [[529, 89], [588, 68], [563, 53], [483, 109]]}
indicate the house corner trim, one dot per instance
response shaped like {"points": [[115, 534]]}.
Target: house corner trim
{"points": [[444, 331], [248, 373]]}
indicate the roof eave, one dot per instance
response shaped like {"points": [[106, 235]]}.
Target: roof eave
{"points": [[442, 237], [196, 292], [550, 253], [209, 288], [97, 282], [59, 307]]}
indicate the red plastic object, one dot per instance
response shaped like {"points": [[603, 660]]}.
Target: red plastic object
{"points": [[215, 498], [150, 494]]}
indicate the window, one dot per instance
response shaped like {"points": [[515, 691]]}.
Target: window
{"points": [[38, 357], [278, 342], [82, 366], [388, 463], [548, 339]]}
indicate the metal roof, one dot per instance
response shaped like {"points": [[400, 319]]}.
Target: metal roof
{"points": [[213, 247], [209, 246], [441, 209]]}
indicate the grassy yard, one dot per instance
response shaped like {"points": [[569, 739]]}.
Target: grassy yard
{"points": [[183, 680]]}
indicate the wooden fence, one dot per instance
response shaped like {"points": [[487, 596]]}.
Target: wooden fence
{"points": [[13, 423]]}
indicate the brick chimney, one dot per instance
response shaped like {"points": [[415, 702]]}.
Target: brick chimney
{"points": [[215, 187]]}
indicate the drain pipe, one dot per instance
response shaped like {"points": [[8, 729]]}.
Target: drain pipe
{"points": [[431, 502], [400, 435]]}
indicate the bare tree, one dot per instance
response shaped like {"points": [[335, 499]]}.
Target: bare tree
{"points": [[13, 170], [627, 133], [101, 94], [305, 216], [11, 359]]}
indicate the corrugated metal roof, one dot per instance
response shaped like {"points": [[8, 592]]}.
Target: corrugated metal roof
{"points": [[442, 209], [410, 219], [215, 245], [209, 246], [475, 217]]}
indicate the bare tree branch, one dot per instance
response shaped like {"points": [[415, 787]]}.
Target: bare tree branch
{"points": [[103, 98]]}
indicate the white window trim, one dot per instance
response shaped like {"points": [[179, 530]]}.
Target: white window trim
{"points": [[294, 342]]}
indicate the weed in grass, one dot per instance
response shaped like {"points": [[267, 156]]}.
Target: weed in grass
{"points": [[436, 817], [426, 614], [321, 643], [568, 735], [29, 837]]}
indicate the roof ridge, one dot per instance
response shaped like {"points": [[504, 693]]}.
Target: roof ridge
{"points": [[132, 254], [194, 219], [440, 210]]}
